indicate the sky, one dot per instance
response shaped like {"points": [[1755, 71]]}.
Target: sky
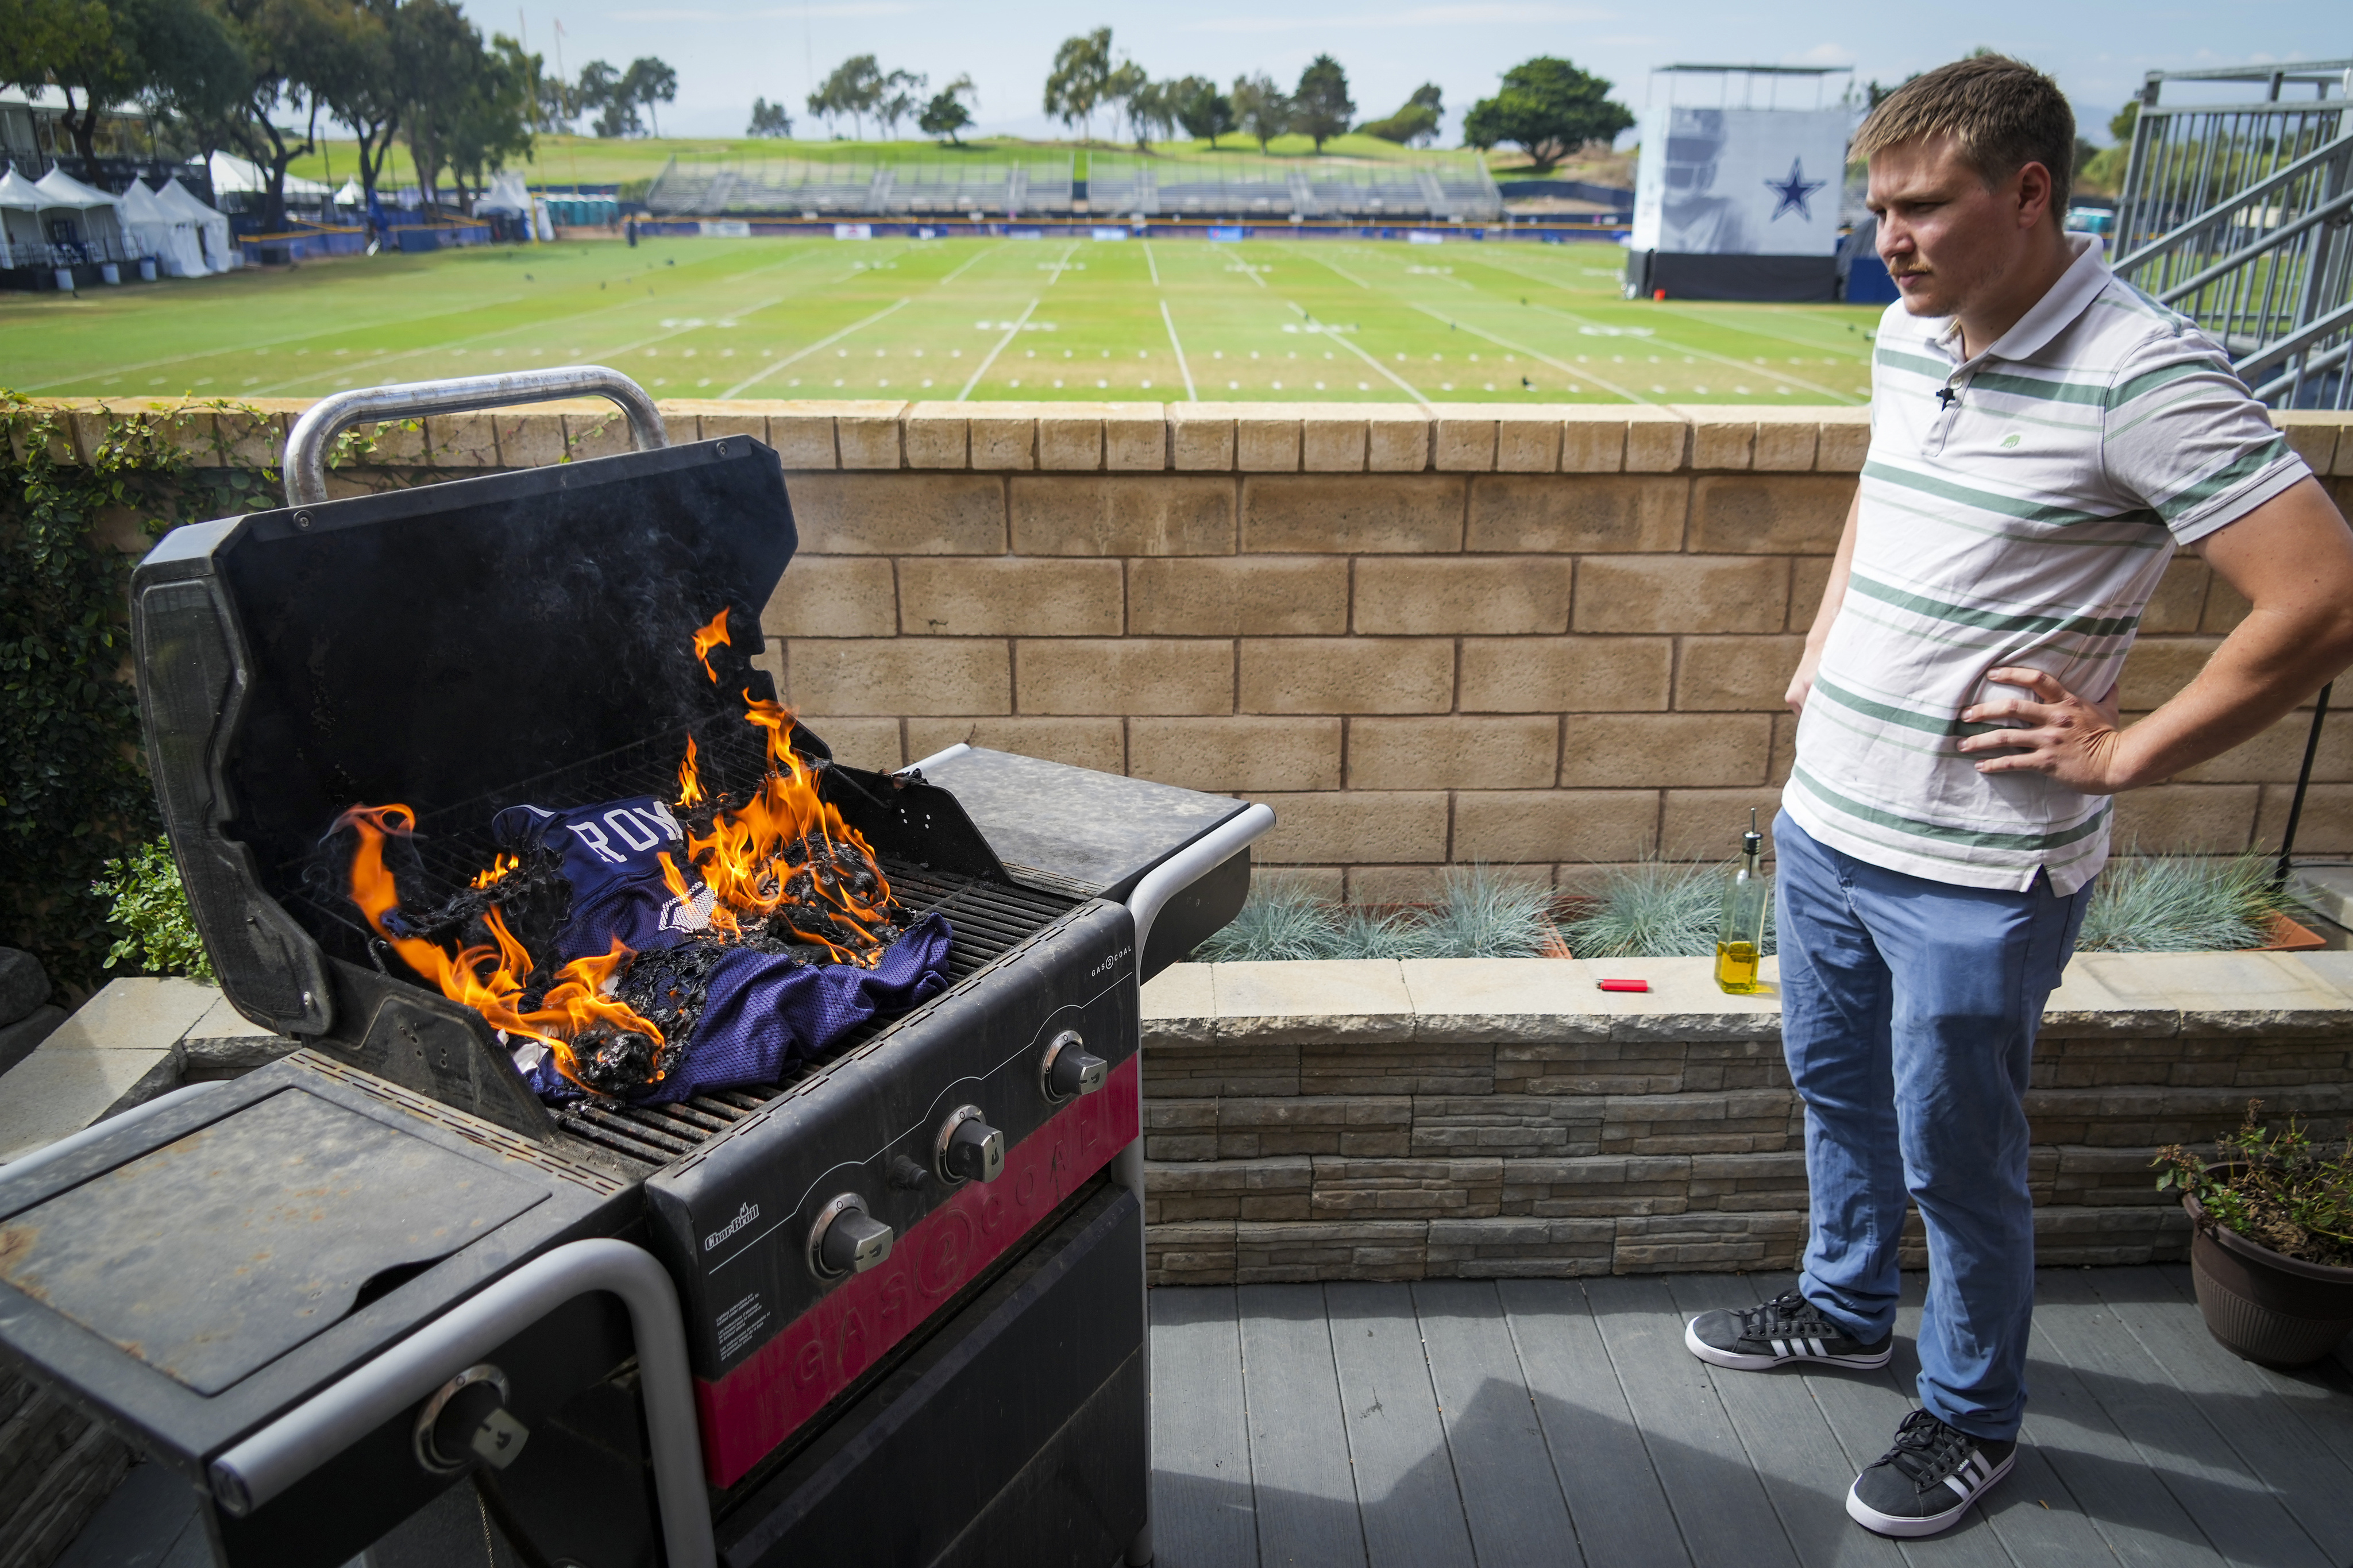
{"points": [[726, 52]]}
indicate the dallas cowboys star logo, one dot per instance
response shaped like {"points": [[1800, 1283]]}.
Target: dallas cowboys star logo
{"points": [[1794, 191]]}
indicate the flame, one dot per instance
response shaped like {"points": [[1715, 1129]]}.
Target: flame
{"points": [[690, 779], [746, 861], [711, 637], [500, 867], [489, 978]]}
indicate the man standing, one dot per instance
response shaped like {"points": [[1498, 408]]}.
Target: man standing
{"points": [[2043, 437]]}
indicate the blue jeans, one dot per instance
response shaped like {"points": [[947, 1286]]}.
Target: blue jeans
{"points": [[1908, 1012]]}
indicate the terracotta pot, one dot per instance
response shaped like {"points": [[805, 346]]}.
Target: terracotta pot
{"points": [[2273, 1311]]}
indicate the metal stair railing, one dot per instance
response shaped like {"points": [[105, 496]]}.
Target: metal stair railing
{"points": [[2240, 216]]}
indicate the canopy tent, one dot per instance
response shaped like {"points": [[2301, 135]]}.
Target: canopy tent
{"points": [[97, 233], [231, 172], [506, 194], [19, 228], [219, 255], [351, 195], [162, 232]]}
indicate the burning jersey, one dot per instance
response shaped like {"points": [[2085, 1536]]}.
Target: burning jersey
{"points": [[612, 857]]}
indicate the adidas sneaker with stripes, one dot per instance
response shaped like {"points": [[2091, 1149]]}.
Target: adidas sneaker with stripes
{"points": [[1787, 1329]]}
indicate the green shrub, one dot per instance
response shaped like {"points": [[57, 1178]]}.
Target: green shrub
{"points": [[1657, 910], [2181, 903], [73, 786], [1480, 915], [149, 912], [2276, 1189]]}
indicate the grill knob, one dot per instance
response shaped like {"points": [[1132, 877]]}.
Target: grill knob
{"points": [[1071, 1068], [466, 1419], [970, 1150], [846, 1239]]}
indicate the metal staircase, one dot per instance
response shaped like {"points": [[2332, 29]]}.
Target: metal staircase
{"points": [[2240, 215]]}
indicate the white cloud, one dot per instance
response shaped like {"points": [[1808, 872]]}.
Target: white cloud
{"points": [[1496, 12], [1823, 55]]}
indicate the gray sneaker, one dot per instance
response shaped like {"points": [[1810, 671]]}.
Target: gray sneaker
{"points": [[1786, 1329], [1927, 1481]]}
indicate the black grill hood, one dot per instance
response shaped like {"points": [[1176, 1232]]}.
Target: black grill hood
{"points": [[456, 648]]}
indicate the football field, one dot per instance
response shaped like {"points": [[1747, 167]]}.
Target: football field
{"points": [[1060, 317]]}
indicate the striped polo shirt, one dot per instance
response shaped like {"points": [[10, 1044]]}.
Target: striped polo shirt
{"points": [[2018, 509]]}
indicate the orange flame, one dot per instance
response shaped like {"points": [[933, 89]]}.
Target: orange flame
{"points": [[500, 867], [690, 779], [743, 859], [711, 637], [489, 979]]}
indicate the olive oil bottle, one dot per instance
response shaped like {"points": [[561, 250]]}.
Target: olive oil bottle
{"points": [[1740, 928]]}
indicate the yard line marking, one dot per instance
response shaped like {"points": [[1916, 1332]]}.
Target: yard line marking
{"points": [[1054, 276], [1522, 348], [1242, 267], [1332, 265], [1766, 372], [1341, 338], [978, 252], [569, 324], [802, 354], [266, 342], [1187, 369], [1010, 333], [1152, 264]]}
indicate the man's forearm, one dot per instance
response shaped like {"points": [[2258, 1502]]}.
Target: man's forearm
{"points": [[1834, 589], [2262, 670]]}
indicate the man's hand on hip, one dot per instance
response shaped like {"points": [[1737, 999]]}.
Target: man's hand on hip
{"points": [[2068, 738]]}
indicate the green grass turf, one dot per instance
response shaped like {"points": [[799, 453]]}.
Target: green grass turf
{"points": [[1275, 320]]}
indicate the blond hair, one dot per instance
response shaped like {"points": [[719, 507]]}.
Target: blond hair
{"points": [[2003, 113]]}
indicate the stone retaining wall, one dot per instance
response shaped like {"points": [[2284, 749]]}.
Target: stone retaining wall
{"points": [[1377, 1119], [1539, 636]]}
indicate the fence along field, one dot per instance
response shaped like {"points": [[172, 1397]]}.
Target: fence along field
{"points": [[1272, 319]]}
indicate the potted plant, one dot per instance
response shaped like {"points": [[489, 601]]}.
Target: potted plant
{"points": [[2271, 1250]]}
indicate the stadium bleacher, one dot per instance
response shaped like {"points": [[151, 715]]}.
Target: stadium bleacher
{"points": [[1176, 186], [947, 187]]}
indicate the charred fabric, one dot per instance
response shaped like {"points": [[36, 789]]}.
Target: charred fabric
{"points": [[644, 950]]}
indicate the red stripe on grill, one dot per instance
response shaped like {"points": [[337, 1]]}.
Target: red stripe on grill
{"points": [[766, 1396]]}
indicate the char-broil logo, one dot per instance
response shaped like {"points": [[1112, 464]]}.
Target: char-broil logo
{"points": [[1105, 967], [744, 1217]]}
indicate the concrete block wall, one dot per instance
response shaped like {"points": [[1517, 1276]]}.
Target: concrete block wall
{"points": [[1542, 637], [1377, 1119]]}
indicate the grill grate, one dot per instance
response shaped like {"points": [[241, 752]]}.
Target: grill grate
{"points": [[986, 920]]}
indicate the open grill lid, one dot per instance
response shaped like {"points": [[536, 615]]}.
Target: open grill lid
{"points": [[456, 648]]}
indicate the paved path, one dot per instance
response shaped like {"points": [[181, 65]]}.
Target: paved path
{"points": [[1561, 1422]]}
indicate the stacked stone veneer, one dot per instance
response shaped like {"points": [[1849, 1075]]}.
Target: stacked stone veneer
{"points": [[1544, 636], [1480, 1118]]}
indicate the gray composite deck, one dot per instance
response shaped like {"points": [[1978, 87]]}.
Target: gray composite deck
{"points": [[1560, 1422]]}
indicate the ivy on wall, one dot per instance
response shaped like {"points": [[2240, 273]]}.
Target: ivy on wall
{"points": [[73, 783]]}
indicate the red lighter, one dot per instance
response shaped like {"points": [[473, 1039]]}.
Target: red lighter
{"points": [[1625, 986]]}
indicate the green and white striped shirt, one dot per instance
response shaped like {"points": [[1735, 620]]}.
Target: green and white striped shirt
{"points": [[2018, 509]]}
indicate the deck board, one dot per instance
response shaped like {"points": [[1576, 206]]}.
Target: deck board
{"points": [[1511, 1496], [1203, 1513], [1405, 1473], [1307, 1506], [1544, 1422], [1616, 1505]]}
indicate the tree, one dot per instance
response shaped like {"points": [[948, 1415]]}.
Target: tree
{"points": [[493, 123], [897, 99], [1260, 108], [769, 119], [854, 88], [1075, 87], [1152, 108], [445, 64], [1416, 121], [366, 87], [946, 114], [1320, 107], [99, 53], [1204, 112], [1549, 108], [282, 47], [599, 94], [649, 81], [1121, 88]]}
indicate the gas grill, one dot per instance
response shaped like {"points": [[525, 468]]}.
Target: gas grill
{"points": [[729, 1328]]}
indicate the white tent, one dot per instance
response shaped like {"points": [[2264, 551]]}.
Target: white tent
{"points": [[506, 194], [22, 243], [97, 226], [219, 254], [351, 195], [231, 172], [163, 232]]}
